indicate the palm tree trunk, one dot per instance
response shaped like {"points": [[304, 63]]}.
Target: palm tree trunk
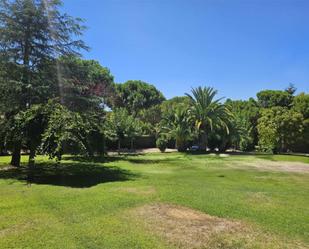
{"points": [[203, 141], [181, 145]]}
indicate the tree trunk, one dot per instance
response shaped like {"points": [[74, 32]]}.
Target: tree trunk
{"points": [[119, 146], [132, 144], [89, 149], [223, 145], [203, 141], [15, 161], [181, 145], [31, 164], [101, 149], [31, 157]]}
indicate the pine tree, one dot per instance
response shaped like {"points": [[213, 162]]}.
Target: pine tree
{"points": [[32, 32]]}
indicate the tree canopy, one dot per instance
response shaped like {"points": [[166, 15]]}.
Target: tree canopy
{"points": [[271, 98], [34, 34], [135, 95], [208, 112], [52, 101]]}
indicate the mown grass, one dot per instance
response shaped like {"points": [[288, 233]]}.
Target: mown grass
{"points": [[290, 158], [83, 203]]}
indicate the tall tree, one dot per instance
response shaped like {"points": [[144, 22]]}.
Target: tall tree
{"points": [[178, 126], [246, 114], [271, 98], [207, 112], [170, 105], [121, 124], [301, 105], [31, 33], [85, 84], [135, 95], [279, 128], [84, 87]]}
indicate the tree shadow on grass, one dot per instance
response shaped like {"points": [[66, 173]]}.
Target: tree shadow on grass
{"points": [[100, 159], [150, 161], [132, 158], [93, 159], [75, 174]]}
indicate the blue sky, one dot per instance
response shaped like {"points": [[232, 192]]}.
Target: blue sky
{"points": [[236, 46]]}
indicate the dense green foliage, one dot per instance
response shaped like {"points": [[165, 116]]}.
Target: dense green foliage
{"points": [[246, 114], [209, 114], [284, 127], [170, 105], [52, 101], [33, 35], [120, 124], [271, 98], [55, 105], [179, 127], [161, 143], [135, 95], [279, 129], [50, 98]]}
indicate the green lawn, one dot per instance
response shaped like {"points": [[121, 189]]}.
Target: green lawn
{"points": [[87, 203]]}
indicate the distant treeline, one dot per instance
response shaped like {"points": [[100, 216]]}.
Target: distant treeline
{"points": [[52, 101]]}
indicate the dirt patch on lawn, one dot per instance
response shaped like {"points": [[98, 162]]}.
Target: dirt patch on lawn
{"points": [[15, 229], [265, 165], [152, 150], [184, 227], [187, 228], [141, 151]]}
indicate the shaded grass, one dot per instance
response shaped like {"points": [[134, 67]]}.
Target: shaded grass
{"points": [[83, 203], [78, 175]]}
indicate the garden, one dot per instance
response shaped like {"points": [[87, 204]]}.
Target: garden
{"points": [[87, 162]]}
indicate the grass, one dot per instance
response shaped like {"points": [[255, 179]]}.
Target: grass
{"points": [[84, 203], [290, 158]]}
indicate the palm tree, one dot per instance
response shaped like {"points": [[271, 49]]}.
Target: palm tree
{"points": [[208, 113], [178, 126]]}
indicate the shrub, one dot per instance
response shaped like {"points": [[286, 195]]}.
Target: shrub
{"points": [[161, 143], [245, 144]]}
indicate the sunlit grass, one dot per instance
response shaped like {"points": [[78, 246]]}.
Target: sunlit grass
{"points": [[83, 203]]}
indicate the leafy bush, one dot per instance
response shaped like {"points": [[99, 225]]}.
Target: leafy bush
{"points": [[279, 128], [245, 144], [161, 143]]}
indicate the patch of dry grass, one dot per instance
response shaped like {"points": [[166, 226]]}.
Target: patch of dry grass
{"points": [[265, 165], [187, 228]]}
